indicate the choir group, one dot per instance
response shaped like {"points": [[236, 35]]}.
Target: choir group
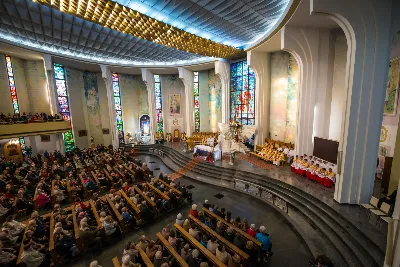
{"points": [[315, 169]]}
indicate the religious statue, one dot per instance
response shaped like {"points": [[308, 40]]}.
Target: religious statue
{"points": [[232, 137]]}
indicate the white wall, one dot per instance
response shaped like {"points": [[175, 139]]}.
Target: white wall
{"points": [[338, 94], [134, 101], [78, 106], [171, 84]]}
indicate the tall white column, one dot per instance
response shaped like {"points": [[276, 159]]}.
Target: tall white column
{"points": [[187, 77], [106, 74], [54, 107], [223, 70], [260, 62], [303, 44], [148, 78], [367, 26]]}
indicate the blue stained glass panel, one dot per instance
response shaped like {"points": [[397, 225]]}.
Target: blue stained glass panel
{"points": [[116, 89], [59, 72], [61, 88], [157, 78], [242, 93]]}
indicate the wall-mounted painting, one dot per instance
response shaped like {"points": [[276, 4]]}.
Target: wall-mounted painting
{"points": [[45, 138], [82, 133], [174, 104], [391, 89], [106, 131]]}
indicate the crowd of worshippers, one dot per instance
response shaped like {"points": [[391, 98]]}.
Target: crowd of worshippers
{"points": [[33, 239], [315, 169], [256, 255], [30, 117], [192, 256], [27, 184]]}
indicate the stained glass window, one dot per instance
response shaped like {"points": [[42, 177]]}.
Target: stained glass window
{"points": [[196, 103], [118, 107], [157, 88], [243, 84], [63, 103], [11, 82], [13, 93]]}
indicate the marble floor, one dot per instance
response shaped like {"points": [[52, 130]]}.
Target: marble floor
{"points": [[289, 248]]}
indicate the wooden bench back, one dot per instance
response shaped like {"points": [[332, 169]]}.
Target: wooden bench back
{"points": [[76, 228], [146, 198], [116, 262], [161, 194], [145, 259], [212, 258], [229, 246], [244, 234], [172, 251], [116, 213], [169, 186], [130, 202]]}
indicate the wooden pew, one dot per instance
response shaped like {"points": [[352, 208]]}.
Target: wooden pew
{"points": [[116, 262], [52, 251], [95, 178], [130, 202], [161, 194], [53, 197], [244, 234], [109, 177], [116, 213], [69, 191], [96, 216], [84, 186], [121, 175], [146, 198], [78, 241], [170, 187], [229, 246], [172, 251], [196, 244], [129, 170], [145, 259]]}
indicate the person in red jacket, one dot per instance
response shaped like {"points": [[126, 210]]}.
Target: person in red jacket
{"points": [[252, 230], [193, 211], [42, 199]]}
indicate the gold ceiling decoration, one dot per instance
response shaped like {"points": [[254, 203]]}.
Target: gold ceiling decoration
{"points": [[121, 18]]}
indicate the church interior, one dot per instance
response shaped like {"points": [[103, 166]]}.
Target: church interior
{"points": [[199, 133]]}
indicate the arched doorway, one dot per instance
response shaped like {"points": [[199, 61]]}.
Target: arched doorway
{"points": [[144, 125]]}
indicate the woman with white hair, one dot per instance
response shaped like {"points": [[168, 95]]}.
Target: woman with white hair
{"points": [[94, 264], [186, 225], [110, 226], [126, 262], [194, 258], [193, 211], [179, 219], [252, 230]]}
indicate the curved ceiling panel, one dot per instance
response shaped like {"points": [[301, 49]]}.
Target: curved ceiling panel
{"points": [[45, 29], [231, 22]]}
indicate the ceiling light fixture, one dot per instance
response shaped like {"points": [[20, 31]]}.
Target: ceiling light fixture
{"points": [[142, 26]]}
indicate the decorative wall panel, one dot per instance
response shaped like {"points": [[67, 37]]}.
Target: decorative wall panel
{"points": [[93, 106]]}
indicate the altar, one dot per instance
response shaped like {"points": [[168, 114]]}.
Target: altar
{"points": [[203, 150]]}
